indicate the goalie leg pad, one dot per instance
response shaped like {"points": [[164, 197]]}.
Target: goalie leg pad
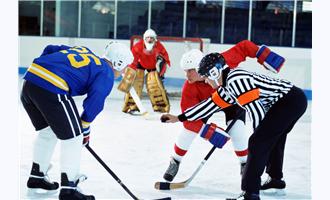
{"points": [[157, 93], [129, 104], [128, 80]]}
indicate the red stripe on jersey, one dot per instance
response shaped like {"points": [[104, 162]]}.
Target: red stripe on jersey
{"points": [[264, 55], [179, 151], [242, 153], [210, 131]]}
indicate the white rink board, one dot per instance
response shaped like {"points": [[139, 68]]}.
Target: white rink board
{"points": [[297, 67]]}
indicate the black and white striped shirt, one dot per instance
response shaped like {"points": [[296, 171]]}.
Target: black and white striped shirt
{"points": [[255, 92]]}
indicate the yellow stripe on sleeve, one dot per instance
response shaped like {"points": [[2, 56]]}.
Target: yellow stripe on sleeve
{"points": [[85, 124]]}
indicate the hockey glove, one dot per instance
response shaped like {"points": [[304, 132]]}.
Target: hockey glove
{"points": [[161, 66], [86, 132], [270, 60], [216, 135]]}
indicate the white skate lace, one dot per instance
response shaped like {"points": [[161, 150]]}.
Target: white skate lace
{"points": [[172, 169], [81, 178], [45, 177]]}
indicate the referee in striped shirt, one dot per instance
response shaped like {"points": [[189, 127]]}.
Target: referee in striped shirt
{"points": [[274, 105]]}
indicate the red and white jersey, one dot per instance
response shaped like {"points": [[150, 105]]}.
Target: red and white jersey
{"points": [[194, 93], [148, 59]]}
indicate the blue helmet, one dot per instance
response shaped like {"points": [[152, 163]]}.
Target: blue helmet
{"points": [[211, 66]]}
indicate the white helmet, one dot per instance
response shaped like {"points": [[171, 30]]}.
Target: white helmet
{"points": [[191, 59], [149, 33], [118, 54]]}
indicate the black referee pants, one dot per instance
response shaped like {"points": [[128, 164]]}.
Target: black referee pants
{"points": [[266, 144]]}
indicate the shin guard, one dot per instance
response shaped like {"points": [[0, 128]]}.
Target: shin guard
{"points": [[183, 142], [70, 156], [129, 104], [43, 148], [239, 140], [157, 93]]}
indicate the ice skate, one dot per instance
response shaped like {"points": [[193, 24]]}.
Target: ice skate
{"points": [[70, 191], [273, 187], [39, 183], [246, 196], [172, 170]]}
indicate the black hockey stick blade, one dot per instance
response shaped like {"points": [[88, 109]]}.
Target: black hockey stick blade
{"points": [[169, 186]]}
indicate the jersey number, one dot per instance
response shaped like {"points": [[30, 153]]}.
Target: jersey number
{"points": [[85, 57]]}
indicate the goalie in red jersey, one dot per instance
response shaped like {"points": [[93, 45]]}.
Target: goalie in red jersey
{"points": [[151, 56]]}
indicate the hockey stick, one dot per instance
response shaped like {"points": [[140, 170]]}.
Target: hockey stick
{"points": [[183, 184], [114, 175], [143, 112], [138, 102]]}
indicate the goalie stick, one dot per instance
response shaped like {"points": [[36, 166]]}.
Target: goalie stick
{"points": [[138, 102], [183, 184], [143, 111], [115, 176]]}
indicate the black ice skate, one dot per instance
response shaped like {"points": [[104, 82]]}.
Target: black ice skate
{"points": [[172, 170], [246, 196], [70, 191], [39, 183], [273, 186]]}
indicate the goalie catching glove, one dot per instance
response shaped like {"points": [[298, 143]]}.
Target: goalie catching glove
{"points": [[270, 60], [214, 134]]}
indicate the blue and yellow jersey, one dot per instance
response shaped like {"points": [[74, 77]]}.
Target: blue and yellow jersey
{"points": [[73, 71]]}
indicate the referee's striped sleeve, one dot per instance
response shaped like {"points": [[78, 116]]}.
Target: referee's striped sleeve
{"points": [[219, 100]]}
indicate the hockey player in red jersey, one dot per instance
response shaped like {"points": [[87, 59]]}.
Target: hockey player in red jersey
{"points": [[194, 91], [274, 105], [151, 56], [51, 82]]}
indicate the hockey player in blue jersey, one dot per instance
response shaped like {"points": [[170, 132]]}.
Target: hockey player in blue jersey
{"points": [[51, 81]]}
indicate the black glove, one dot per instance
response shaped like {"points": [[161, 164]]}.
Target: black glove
{"points": [[161, 66]]}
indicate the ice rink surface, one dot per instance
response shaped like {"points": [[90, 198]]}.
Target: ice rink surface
{"points": [[139, 150]]}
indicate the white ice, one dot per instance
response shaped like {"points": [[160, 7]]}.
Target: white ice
{"points": [[138, 151]]}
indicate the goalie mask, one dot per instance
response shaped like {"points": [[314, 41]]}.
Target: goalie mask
{"points": [[118, 54], [211, 66], [149, 39]]}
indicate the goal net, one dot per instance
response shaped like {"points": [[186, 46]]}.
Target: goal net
{"points": [[176, 47]]}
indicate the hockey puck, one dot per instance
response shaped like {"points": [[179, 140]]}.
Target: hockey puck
{"points": [[164, 118]]}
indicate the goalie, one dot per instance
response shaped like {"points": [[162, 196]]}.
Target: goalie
{"points": [[151, 56]]}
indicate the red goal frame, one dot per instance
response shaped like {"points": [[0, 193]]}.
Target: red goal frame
{"points": [[170, 39]]}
